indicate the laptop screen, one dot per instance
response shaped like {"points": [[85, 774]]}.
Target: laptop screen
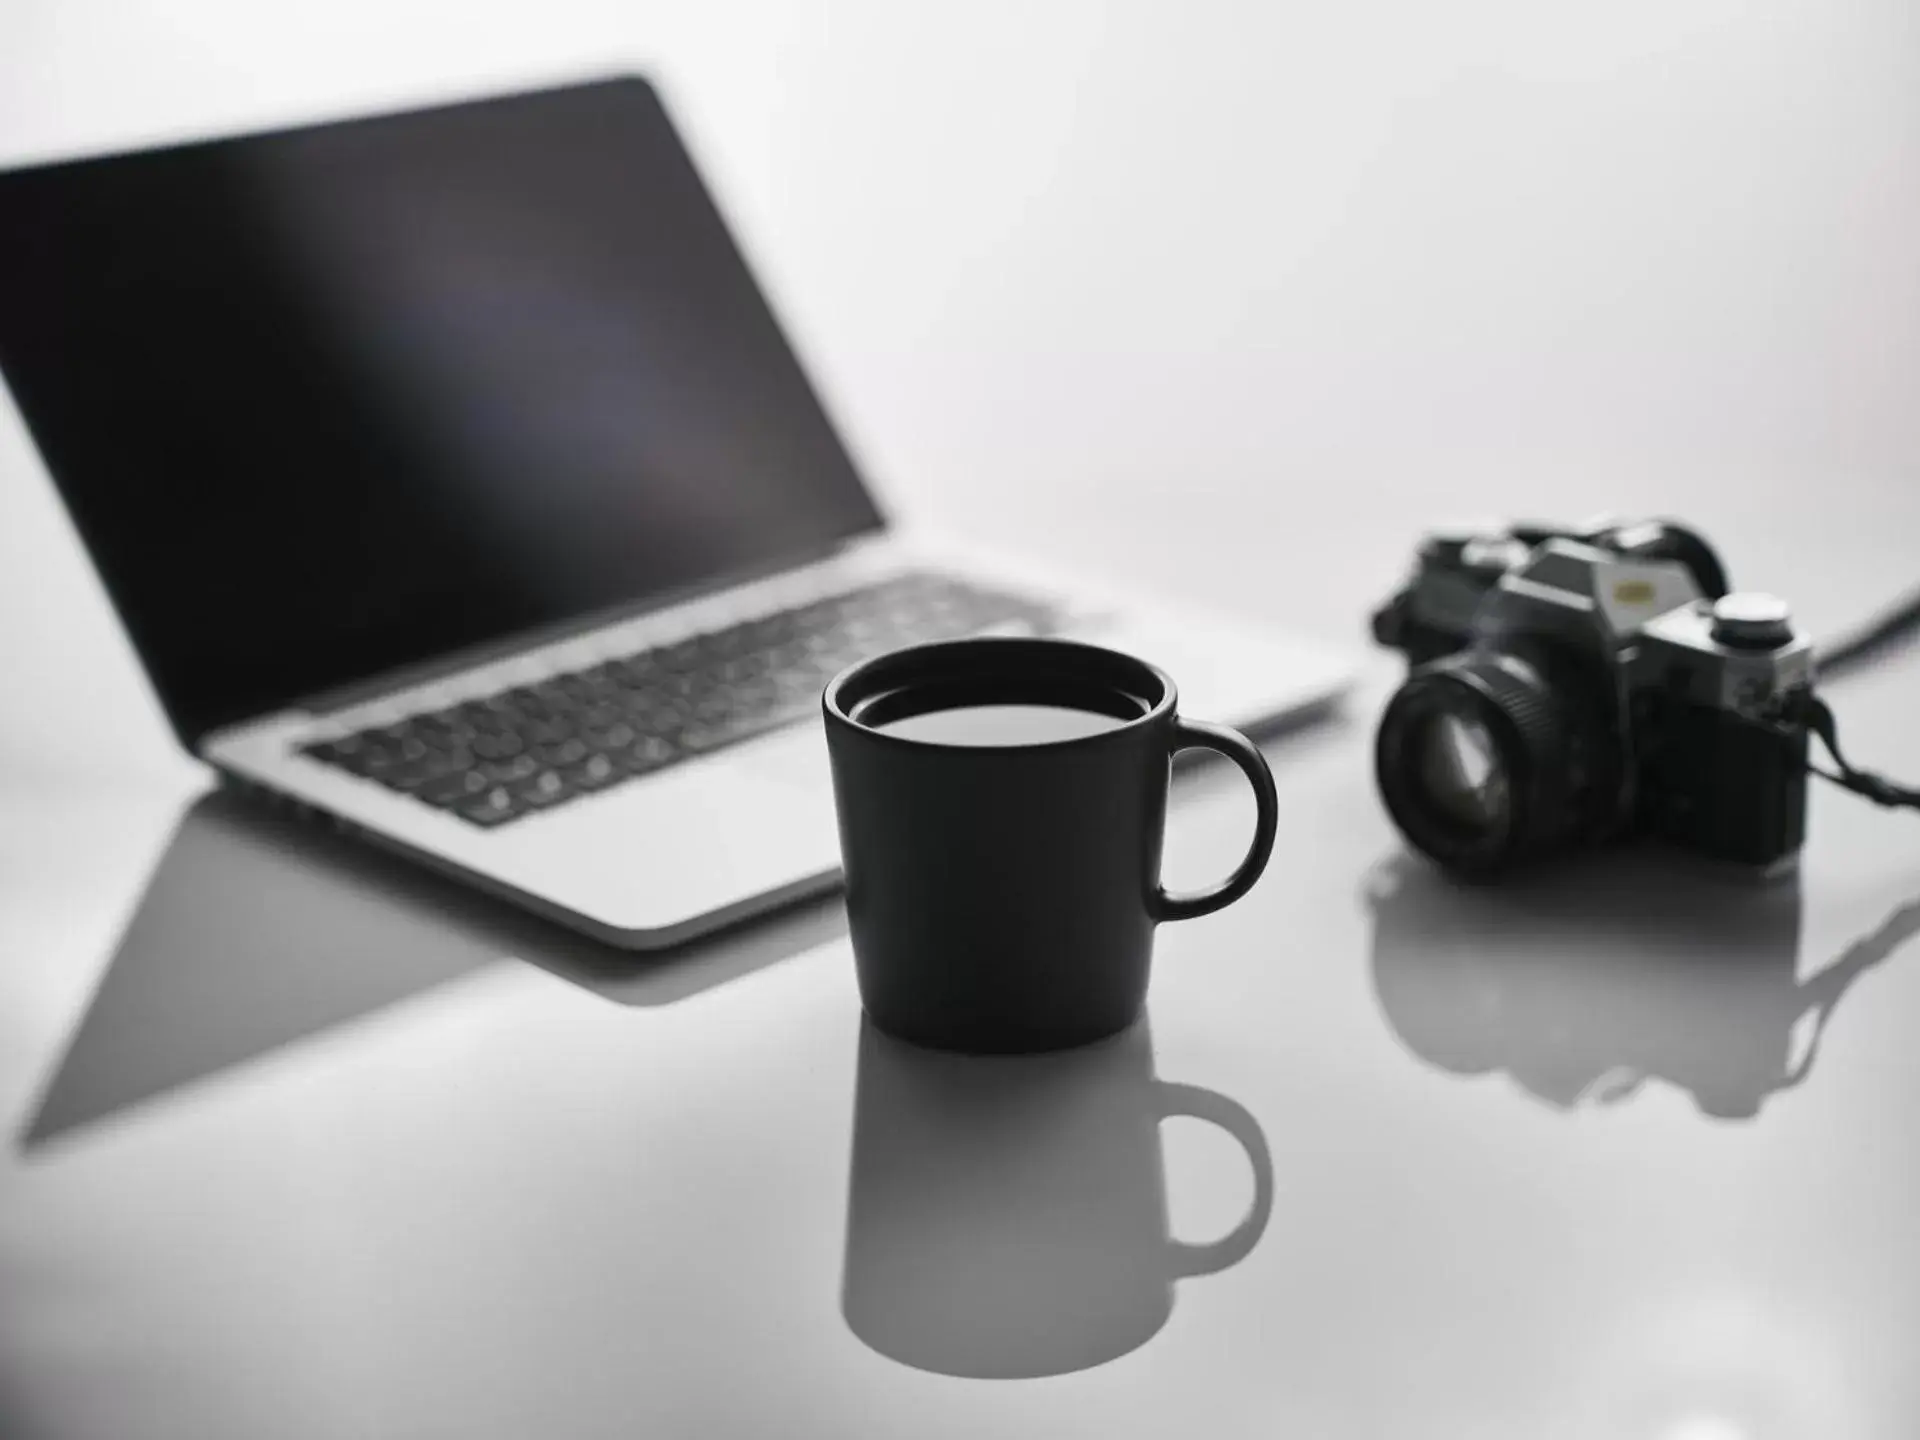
{"points": [[329, 401]]}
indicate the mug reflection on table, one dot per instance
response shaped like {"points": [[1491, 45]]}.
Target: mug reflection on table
{"points": [[1007, 1216]]}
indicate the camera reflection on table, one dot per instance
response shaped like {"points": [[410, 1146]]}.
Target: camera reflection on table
{"points": [[1585, 981], [1007, 1215]]}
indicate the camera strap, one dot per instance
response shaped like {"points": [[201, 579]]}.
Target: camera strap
{"points": [[1877, 788]]}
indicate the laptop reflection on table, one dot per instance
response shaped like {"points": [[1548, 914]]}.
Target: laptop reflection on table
{"points": [[256, 932]]}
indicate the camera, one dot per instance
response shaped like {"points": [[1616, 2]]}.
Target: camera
{"points": [[1572, 687]]}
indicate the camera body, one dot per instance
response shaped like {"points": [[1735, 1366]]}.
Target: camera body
{"points": [[1570, 687]]}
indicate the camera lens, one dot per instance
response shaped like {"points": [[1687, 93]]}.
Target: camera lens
{"points": [[1462, 771], [1487, 758]]}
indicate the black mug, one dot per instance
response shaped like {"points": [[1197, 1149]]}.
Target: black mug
{"points": [[1003, 886], [1007, 1217]]}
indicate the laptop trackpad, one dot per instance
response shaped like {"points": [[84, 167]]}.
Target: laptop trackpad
{"points": [[794, 756], [695, 839]]}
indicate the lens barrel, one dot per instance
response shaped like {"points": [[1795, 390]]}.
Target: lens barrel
{"points": [[1488, 758]]}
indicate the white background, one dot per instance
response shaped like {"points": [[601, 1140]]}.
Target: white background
{"points": [[1237, 297]]}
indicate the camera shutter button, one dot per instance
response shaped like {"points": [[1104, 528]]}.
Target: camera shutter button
{"points": [[1751, 620]]}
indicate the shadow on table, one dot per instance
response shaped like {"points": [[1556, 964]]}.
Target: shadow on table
{"points": [[256, 931], [1586, 981], [1007, 1215]]}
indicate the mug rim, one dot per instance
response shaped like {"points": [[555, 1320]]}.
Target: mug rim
{"points": [[836, 712]]}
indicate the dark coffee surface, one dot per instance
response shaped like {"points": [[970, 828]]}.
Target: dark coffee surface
{"points": [[989, 725]]}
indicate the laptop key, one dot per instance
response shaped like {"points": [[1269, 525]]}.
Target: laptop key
{"points": [[595, 773], [549, 787], [495, 807], [661, 716], [501, 745], [450, 790], [559, 754], [677, 658], [616, 736], [645, 755], [409, 776], [549, 730], [511, 770]]}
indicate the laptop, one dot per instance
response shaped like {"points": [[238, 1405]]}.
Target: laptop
{"points": [[457, 486]]}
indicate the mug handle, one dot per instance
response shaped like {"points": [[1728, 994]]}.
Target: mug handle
{"points": [[1198, 734], [1231, 1116]]}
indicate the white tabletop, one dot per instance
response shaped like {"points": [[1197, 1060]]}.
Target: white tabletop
{"points": [[308, 1145]]}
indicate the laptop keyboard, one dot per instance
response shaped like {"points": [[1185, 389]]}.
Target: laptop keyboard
{"points": [[530, 748]]}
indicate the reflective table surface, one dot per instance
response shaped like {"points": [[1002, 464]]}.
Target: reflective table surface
{"points": [[302, 1143]]}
